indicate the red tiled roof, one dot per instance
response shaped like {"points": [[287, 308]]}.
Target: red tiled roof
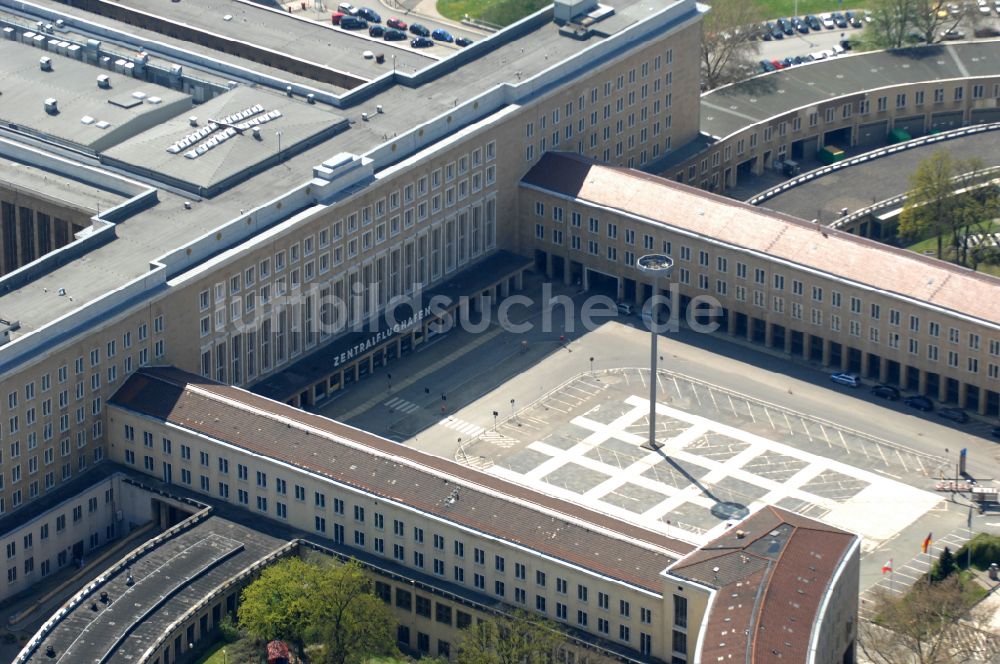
{"points": [[844, 255], [771, 573], [505, 510]]}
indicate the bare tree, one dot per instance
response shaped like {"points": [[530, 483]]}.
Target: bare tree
{"points": [[890, 24], [727, 45], [931, 19], [923, 627]]}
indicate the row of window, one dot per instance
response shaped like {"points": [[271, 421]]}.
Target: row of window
{"points": [[62, 558], [831, 115], [419, 556], [27, 540], [874, 311]]}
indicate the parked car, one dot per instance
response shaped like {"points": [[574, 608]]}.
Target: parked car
{"points": [[828, 23], [625, 309], [848, 379], [353, 23], [813, 22], [920, 403], [347, 9], [839, 20], [396, 23], [952, 34], [954, 414], [336, 16], [369, 15], [421, 42], [463, 42], [376, 31], [984, 7], [786, 26], [776, 31], [394, 35], [419, 30], [800, 25], [887, 392], [777, 64], [853, 18], [766, 66], [442, 35]]}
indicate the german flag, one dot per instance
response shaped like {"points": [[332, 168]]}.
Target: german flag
{"points": [[927, 543]]}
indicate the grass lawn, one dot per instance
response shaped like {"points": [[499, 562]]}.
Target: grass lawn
{"points": [[214, 655], [779, 8], [499, 12], [930, 244], [505, 12]]}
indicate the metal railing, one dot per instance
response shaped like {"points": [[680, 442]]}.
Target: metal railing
{"points": [[868, 156], [79, 598]]}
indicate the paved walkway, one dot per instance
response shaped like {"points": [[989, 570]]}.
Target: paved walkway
{"points": [[906, 574]]}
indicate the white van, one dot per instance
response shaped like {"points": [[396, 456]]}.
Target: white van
{"points": [[625, 309]]}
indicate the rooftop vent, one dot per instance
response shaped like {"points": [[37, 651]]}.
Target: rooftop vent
{"points": [[740, 534], [193, 120], [567, 10], [364, 116], [104, 82], [311, 98], [378, 109], [51, 106], [45, 64], [256, 133]]}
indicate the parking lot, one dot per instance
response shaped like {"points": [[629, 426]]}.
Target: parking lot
{"points": [[723, 454]]}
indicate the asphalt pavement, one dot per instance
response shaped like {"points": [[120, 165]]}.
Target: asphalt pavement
{"points": [[479, 374]]}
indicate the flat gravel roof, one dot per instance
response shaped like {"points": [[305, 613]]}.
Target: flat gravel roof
{"points": [[128, 107], [729, 109]]}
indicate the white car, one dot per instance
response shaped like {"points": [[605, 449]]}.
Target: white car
{"points": [[827, 22], [848, 379]]}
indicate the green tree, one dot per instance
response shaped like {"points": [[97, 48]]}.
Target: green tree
{"points": [[520, 638], [277, 604], [726, 45], [930, 200], [349, 619], [307, 602], [945, 566]]}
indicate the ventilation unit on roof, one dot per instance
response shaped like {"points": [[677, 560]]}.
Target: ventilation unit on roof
{"points": [[104, 82], [567, 10], [193, 120], [51, 106], [45, 64]]}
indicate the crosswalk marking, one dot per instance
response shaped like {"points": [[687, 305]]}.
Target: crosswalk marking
{"points": [[462, 426], [401, 405]]}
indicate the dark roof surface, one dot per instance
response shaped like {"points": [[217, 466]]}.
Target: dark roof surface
{"points": [[771, 573], [169, 579], [731, 108], [502, 509]]}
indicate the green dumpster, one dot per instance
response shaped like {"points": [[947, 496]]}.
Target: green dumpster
{"points": [[899, 136], [830, 154]]}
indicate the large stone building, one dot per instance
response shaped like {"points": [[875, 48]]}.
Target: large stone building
{"points": [[232, 215]]}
